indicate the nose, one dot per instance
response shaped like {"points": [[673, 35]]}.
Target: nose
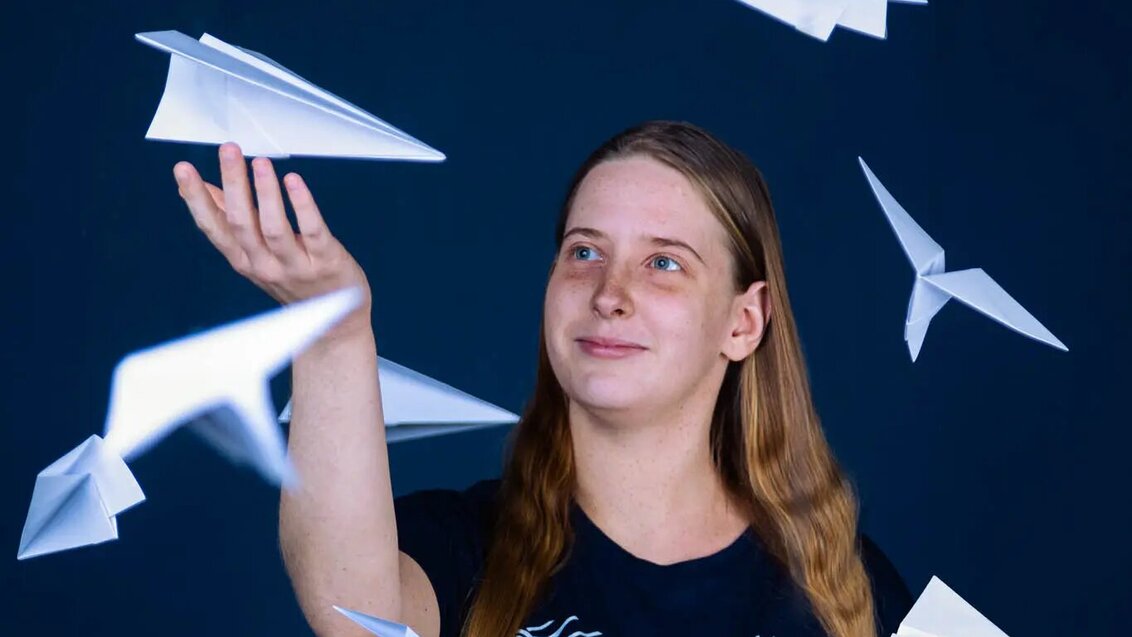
{"points": [[612, 297]]}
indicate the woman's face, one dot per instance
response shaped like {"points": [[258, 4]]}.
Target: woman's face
{"points": [[640, 309]]}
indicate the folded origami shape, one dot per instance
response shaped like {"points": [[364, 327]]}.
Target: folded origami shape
{"points": [[376, 625], [934, 287], [941, 612], [216, 93], [214, 383], [416, 406], [817, 18]]}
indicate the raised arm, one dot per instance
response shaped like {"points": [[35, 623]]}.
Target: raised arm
{"points": [[337, 528]]}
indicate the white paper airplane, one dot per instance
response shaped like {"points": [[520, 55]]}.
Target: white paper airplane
{"points": [[416, 406], [216, 93], [215, 383], [376, 625], [76, 500], [940, 612], [934, 286], [817, 18]]}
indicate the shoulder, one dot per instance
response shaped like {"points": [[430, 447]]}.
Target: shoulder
{"points": [[890, 593]]}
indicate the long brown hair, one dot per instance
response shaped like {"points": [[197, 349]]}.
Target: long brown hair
{"points": [[767, 441]]}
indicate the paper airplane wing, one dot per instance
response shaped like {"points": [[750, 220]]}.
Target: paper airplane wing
{"points": [[417, 406], [76, 499], [940, 611], [158, 389], [216, 93], [376, 625], [402, 433], [925, 254], [980, 292], [246, 432], [866, 16], [815, 18], [272, 67]]}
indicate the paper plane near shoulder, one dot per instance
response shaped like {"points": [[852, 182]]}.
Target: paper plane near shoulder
{"points": [[215, 383], [817, 18], [934, 286], [376, 625], [216, 92], [416, 406], [941, 612]]}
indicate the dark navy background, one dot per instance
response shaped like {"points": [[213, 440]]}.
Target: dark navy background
{"points": [[995, 462]]}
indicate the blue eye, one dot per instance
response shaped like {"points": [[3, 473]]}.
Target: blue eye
{"points": [[667, 264], [583, 253]]}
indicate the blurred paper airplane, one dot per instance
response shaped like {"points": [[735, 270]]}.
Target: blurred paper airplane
{"points": [[934, 287], [416, 406], [940, 612], [216, 93], [214, 383], [376, 625], [817, 18]]}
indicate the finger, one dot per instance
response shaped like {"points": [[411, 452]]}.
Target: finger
{"points": [[207, 213], [273, 223], [217, 197], [315, 235], [238, 207]]}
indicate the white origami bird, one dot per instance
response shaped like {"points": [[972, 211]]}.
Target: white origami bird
{"points": [[216, 93], [215, 383], [376, 625], [934, 286], [940, 612], [416, 406], [818, 17]]}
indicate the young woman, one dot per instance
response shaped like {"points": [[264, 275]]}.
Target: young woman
{"points": [[669, 476]]}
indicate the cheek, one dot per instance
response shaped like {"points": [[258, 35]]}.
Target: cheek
{"points": [[687, 324]]}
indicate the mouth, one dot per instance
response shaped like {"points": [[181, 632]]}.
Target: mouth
{"points": [[609, 347]]}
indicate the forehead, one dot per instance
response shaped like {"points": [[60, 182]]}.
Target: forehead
{"points": [[639, 196]]}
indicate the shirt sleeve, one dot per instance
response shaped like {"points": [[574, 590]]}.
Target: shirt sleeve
{"points": [[890, 594], [443, 531]]}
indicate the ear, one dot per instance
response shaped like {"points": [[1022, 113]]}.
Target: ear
{"points": [[750, 315]]}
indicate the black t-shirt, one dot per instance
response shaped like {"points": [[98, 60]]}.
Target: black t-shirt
{"points": [[602, 589]]}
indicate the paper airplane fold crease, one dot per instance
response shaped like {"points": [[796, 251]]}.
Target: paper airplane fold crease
{"points": [[934, 286], [216, 92]]}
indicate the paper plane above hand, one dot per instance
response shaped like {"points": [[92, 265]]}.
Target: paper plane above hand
{"points": [[214, 383], [934, 286], [817, 18], [216, 93], [416, 406], [940, 612], [376, 625]]}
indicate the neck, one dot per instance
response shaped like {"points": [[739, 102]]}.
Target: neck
{"points": [[649, 482]]}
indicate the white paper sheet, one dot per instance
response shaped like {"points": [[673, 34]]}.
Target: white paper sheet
{"points": [[934, 286], [215, 383], [216, 92], [941, 612], [817, 18], [376, 625], [416, 406]]}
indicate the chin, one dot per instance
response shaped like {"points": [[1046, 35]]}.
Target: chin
{"points": [[607, 394]]}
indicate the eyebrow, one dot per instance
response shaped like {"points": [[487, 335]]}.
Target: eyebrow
{"points": [[658, 241]]}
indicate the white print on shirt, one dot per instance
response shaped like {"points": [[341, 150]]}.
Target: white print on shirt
{"points": [[529, 630]]}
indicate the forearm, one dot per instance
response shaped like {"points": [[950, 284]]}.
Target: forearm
{"points": [[337, 528]]}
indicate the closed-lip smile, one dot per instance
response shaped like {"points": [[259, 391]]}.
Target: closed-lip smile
{"points": [[609, 347]]}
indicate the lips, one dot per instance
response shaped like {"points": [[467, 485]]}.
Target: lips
{"points": [[609, 347]]}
